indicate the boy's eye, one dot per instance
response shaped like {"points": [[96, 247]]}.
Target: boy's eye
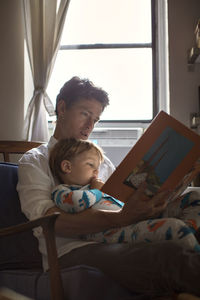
{"points": [[91, 165]]}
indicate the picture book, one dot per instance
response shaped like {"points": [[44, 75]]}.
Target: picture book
{"points": [[166, 157]]}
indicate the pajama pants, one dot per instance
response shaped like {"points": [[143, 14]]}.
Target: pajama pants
{"points": [[179, 222]]}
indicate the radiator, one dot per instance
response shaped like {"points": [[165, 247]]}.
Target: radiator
{"points": [[116, 142]]}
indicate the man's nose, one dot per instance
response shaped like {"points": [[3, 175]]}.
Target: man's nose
{"points": [[90, 123]]}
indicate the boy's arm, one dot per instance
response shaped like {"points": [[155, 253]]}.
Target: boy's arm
{"points": [[74, 200]]}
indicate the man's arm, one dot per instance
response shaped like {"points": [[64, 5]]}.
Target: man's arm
{"points": [[136, 208], [85, 222]]}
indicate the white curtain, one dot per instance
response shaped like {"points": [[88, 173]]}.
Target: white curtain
{"points": [[44, 21]]}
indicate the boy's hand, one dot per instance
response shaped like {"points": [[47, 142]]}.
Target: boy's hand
{"points": [[96, 183]]}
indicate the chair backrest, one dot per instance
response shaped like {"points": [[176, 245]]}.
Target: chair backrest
{"points": [[20, 251], [16, 147]]}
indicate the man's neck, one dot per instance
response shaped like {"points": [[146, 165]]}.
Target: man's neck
{"points": [[57, 135]]}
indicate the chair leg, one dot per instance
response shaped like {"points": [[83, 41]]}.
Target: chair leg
{"points": [[57, 291]]}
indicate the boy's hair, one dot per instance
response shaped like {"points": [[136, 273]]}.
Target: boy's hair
{"points": [[67, 149], [76, 89]]}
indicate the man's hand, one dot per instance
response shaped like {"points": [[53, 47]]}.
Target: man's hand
{"points": [[96, 183], [139, 207]]}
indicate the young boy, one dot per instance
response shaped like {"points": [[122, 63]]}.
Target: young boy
{"points": [[75, 164]]}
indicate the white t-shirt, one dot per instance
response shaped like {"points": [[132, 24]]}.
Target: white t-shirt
{"points": [[34, 187]]}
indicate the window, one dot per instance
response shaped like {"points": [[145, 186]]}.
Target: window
{"points": [[111, 42]]}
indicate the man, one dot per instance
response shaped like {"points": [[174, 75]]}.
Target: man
{"points": [[79, 106]]}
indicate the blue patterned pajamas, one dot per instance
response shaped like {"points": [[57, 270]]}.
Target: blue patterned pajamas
{"points": [[178, 222]]}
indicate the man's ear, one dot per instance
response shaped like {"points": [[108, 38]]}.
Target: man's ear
{"points": [[66, 166], [61, 107]]}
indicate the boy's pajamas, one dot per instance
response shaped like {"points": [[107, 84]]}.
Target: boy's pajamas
{"points": [[179, 221]]}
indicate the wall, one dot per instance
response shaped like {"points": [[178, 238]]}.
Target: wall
{"points": [[11, 70], [183, 16]]}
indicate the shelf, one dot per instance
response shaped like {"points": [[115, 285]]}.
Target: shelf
{"points": [[194, 55]]}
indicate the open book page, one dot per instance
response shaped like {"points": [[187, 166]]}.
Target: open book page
{"points": [[165, 157]]}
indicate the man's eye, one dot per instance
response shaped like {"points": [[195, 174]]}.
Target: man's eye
{"points": [[85, 113]]}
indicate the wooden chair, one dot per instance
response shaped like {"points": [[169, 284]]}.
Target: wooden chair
{"points": [[18, 245], [16, 147], [47, 223]]}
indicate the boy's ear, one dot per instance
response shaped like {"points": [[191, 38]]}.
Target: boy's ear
{"points": [[66, 166]]}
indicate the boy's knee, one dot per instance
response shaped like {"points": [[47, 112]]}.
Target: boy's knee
{"points": [[174, 222]]}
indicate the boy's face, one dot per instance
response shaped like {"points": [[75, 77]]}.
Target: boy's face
{"points": [[83, 168], [78, 121]]}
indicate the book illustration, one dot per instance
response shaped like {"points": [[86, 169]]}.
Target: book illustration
{"points": [[160, 161], [166, 157]]}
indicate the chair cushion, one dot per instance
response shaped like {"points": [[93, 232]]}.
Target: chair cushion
{"points": [[23, 282], [79, 282], [85, 283], [21, 250]]}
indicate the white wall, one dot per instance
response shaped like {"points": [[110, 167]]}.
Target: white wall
{"points": [[11, 70], [183, 16]]}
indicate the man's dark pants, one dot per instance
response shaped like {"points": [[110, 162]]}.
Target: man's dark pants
{"points": [[154, 269]]}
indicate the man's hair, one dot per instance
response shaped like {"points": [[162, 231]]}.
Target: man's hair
{"points": [[76, 89], [68, 149]]}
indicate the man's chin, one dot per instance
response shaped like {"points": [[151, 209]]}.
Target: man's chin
{"points": [[83, 136]]}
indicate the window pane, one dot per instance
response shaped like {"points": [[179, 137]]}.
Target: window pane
{"points": [[126, 74], [107, 21]]}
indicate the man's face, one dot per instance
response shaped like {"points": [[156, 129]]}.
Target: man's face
{"points": [[79, 120]]}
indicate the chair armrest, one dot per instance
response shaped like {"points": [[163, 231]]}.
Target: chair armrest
{"points": [[47, 223], [43, 221]]}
